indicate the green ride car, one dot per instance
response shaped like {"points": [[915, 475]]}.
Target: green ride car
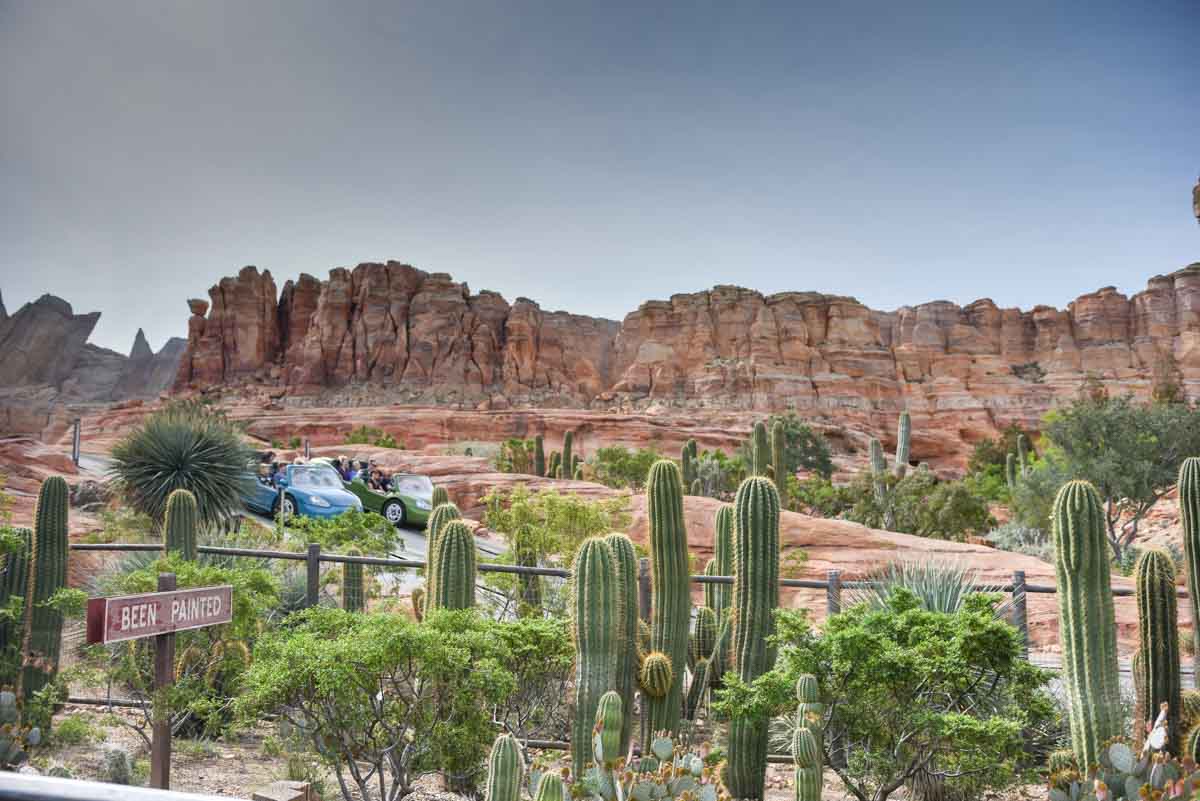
{"points": [[407, 503]]}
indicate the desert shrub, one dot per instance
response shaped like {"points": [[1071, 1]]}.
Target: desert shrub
{"points": [[383, 699], [185, 445], [1019, 538], [911, 693], [550, 524], [939, 585], [75, 730], [1033, 495], [719, 474], [370, 533], [989, 453], [515, 456], [922, 505], [803, 447], [541, 657], [295, 442], [621, 468], [368, 435], [817, 496]]}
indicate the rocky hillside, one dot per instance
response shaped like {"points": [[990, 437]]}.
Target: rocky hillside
{"points": [[49, 367], [384, 333]]}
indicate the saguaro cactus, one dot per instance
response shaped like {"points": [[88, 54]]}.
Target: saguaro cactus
{"points": [[606, 734], [761, 449], [455, 566], [1189, 514], [1158, 638], [539, 456], [779, 461], [568, 461], [671, 605], [687, 463], [1086, 627], [626, 560], [755, 599], [903, 440], [505, 768], [438, 518], [596, 615], [1022, 454], [180, 522], [1010, 471], [723, 554], [354, 594], [14, 575], [47, 575], [704, 637], [806, 754]]}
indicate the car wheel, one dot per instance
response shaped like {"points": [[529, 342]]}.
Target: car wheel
{"points": [[394, 512], [289, 507]]}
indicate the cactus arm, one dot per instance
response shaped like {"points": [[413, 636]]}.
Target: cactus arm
{"points": [[670, 611]]}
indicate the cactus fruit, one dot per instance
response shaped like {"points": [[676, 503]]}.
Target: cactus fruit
{"points": [[606, 733], [455, 568], [47, 575], [439, 497], [1158, 627], [760, 449], [656, 677], [695, 693], [539, 456], [755, 599], [568, 462], [354, 595], [1189, 515], [551, 788], [596, 628], [441, 514], [903, 440], [626, 559], [704, 635], [179, 524], [806, 754], [1087, 628], [670, 611], [13, 578], [505, 768]]}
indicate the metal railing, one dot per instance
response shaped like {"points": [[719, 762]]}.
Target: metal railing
{"points": [[20, 787]]}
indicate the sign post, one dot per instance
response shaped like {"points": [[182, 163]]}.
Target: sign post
{"points": [[159, 615]]}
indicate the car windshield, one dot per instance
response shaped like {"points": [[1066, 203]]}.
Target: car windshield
{"points": [[412, 485], [322, 477]]}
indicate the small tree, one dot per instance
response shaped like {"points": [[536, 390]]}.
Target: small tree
{"points": [[803, 447]]}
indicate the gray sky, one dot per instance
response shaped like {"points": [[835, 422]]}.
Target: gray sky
{"points": [[594, 155]]}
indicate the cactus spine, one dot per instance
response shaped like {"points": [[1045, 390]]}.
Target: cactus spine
{"points": [[1158, 635], [626, 560], [1189, 514], [47, 575], [779, 461], [1086, 625], [903, 440], [439, 497], [454, 579], [354, 595], [598, 622], [606, 734], [760, 449], [539, 456], [438, 518], [568, 462], [505, 767], [551, 788], [671, 608], [755, 599], [179, 524]]}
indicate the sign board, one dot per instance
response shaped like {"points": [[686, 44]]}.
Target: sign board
{"points": [[133, 616]]}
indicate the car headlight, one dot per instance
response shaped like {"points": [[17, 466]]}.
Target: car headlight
{"points": [[424, 504], [317, 500]]}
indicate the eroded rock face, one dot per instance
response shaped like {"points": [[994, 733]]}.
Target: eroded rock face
{"points": [[381, 333]]}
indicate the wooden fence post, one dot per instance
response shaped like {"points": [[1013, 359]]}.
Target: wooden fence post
{"points": [[164, 677], [833, 593], [1020, 612], [313, 571], [644, 589]]}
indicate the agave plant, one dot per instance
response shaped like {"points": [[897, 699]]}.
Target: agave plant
{"points": [[183, 446], [941, 586]]}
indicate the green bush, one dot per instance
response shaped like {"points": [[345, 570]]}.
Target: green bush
{"points": [[817, 496], [803, 447], [75, 730], [383, 699], [541, 657], [1019, 538], [189, 446], [921, 505], [367, 435], [548, 524], [621, 468], [370, 533]]}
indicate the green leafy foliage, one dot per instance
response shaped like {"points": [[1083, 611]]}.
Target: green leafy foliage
{"points": [[804, 448], [920, 504], [516, 456], [369, 532], [368, 435], [186, 445], [549, 524], [621, 468]]}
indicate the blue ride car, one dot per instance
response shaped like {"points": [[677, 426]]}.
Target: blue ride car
{"points": [[314, 490]]}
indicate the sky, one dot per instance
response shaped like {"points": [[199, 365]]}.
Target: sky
{"points": [[595, 155]]}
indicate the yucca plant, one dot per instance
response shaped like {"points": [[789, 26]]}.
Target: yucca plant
{"points": [[183, 446], [940, 585]]}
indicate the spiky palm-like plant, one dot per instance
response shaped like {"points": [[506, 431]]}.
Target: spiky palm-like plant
{"points": [[184, 446], [940, 585]]}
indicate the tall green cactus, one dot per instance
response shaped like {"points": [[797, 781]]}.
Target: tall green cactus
{"points": [[810, 712], [1158, 638], [711, 590], [626, 559], [755, 599], [555, 464], [539, 456], [597, 628], [1189, 514], [671, 604], [455, 568], [697, 686], [779, 461], [568, 461], [687, 463], [439, 497], [610, 723], [505, 768], [13, 584], [47, 575], [760, 449], [1022, 454], [1086, 625], [903, 440], [723, 554], [441, 515], [354, 594], [704, 636], [1010, 471], [806, 754], [180, 521]]}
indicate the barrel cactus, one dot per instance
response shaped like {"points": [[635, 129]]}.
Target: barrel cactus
{"points": [[597, 625], [670, 611], [505, 768], [806, 754], [441, 514], [439, 497], [1191, 745], [760, 449], [180, 521], [47, 575], [454, 568], [755, 599], [354, 595], [606, 733], [1087, 628], [1158, 638], [626, 559], [551, 787], [657, 676], [1189, 515]]}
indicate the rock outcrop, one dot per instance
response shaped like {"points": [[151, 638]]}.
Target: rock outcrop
{"points": [[389, 333]]}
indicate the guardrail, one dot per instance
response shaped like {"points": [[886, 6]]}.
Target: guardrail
{"points": [[20, 787]]}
